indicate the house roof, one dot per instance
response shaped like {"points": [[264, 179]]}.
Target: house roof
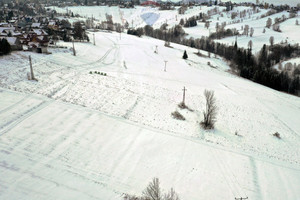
{"points": [[51, 23], [3, 24], [36, 25], [10, 40], [39, 32], [6, 29]]}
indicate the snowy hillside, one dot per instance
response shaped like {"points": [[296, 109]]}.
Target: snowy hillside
{"points": [[141, 16], [76, 134]]}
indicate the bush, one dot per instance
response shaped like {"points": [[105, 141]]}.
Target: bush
{"points": [[177, 115], [210, 112], [277, 135]]}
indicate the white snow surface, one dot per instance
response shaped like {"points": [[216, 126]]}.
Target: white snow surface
{"points": [[76, 135]]}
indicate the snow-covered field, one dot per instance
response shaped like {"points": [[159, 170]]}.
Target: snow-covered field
{"points": [[75, 134]]}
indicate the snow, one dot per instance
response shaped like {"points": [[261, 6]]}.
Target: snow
{"points": [[76, 135], [52, 149]]}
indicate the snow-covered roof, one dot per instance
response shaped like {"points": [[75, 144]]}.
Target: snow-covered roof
{"points": [[40, 37], [6, 29], [51, 23], [3, 24], [39, 32], [10, 40], [36, 25]]}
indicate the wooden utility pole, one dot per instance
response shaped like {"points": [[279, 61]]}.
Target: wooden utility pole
{"points": [[31, 70], [183, 100], [165, 65], [94, 38], [74, 52]]}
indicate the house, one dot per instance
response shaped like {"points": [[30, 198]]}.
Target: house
{"points": [[52, 25], [150, 3], [38, 44], [15, 43]]}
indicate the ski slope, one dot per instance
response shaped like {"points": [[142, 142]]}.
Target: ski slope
{"points": [[76, 135]]}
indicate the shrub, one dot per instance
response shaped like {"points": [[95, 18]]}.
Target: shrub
{"points": [[177, 115], [277, 135]]}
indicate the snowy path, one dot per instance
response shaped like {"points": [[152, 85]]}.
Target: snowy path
{"points": [[71, 152]]}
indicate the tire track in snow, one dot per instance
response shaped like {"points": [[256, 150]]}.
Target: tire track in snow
{"points": [[4, 128], [226, 175], [281, 121], [256, 184], [13, 105], [71, 82], [130, 110], [231, 176]]}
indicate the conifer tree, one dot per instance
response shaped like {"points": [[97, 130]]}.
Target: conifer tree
{"points": [[185, 56]]}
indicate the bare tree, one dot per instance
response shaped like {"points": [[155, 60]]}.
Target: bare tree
{"points": [[246, 29], [217, 27], [250, 44], [153, 191], [269, 23], [210, 112], [251, 31], [172, 195], [206, 25], [276, 27]]}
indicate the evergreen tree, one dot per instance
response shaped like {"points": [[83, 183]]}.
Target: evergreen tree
{"points": [[78, 31], [262, 59], [5, 46], [185, 56]]}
